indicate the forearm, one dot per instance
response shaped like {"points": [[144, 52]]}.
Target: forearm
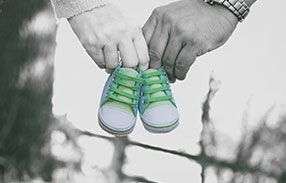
{"points": [[70, 8]]}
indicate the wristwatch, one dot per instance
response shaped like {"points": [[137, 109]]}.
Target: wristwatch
{"points": [[238, 7]]}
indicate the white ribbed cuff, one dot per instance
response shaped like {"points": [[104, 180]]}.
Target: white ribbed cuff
{"points": [[70, 8]]}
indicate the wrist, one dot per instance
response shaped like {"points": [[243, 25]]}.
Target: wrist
{"points": [[225, 13], [87, 11], [71, 8], [238, 7]]}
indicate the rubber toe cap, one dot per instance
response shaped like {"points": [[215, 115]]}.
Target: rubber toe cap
{"points": [[161, 116], [116, 119]]}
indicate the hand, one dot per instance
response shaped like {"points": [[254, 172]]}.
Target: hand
{"points": [[179, 32], [104, 31]]}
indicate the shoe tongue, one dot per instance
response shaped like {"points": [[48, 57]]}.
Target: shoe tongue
{"points": [[156, 94], [129, 72]]}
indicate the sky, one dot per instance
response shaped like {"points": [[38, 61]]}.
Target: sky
{"points": [[251, 68]]}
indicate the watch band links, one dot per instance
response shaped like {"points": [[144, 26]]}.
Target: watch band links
{"points": [[238, 7]]}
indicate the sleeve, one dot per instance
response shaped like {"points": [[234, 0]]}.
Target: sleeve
{"points": [[70, 8]]}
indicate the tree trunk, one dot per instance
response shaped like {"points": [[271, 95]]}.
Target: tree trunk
{"points": [[27, 44]]}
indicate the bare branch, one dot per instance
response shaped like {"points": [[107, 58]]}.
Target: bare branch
{"points": [[200, 159], [138, 179]]}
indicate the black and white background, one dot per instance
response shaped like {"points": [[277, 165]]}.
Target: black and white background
{"points": [[232, 106]]}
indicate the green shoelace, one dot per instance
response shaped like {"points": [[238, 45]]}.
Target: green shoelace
{"points": [[154, 90], [120, 82]]}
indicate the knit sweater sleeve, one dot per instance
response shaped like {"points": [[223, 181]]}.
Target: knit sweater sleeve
{"points": [[70, 8]]}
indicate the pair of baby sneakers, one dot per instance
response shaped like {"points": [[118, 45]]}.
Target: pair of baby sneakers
{"points": [[128, 90]]}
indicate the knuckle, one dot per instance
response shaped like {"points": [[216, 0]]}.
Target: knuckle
{"points": [[202, 50], [184, 31], [99, 62], [167, 63], [115, 33], [154, 55], [220, 40], [89, 44], [168, 19], [156, 12], [182, 66], [159, 11], [144, 59], [180, 28], [181, 75], [181, 70], [137, 30], [96, 54], [122, 28], [98, 58]]}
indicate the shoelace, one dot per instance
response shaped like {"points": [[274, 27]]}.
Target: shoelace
{"points": [[120, 82], [154, 90]]}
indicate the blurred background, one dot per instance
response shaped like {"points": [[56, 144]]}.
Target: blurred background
{"points": [[232, 106]]}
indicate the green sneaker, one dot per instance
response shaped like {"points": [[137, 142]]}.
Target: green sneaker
{"points": [[119, 101], [158, 110]]}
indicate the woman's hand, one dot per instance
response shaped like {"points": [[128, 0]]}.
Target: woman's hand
{"points": [[104, 31]]}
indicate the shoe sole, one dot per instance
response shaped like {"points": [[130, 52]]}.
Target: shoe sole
{"points": [[160, 129], [114, 131]]}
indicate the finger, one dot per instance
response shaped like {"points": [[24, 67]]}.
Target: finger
{"points": [[171, 53], [111, 57], [184, 61], [109, 71], [97, 56], [157, 46], [142, 52], [149, 28], [128, 53]]}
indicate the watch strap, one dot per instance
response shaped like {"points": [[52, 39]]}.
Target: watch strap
{"points": [[238, 7]]}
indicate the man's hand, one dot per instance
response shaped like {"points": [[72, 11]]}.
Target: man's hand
{"points": [[104, 31], [179, 32]]}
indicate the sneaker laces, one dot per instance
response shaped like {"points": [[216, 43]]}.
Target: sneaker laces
{"points": [[119, 82], [157, 89]]}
